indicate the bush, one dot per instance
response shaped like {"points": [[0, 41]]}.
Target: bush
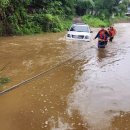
{"points": [[50, 23], [27, 26], [67, 24], [94, 21], [33, 23]]}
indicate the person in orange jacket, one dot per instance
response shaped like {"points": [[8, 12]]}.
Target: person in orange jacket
{"points": [[112, 33], [102, 36]]}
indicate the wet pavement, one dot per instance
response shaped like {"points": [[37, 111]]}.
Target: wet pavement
{"points": [[89, 92]]}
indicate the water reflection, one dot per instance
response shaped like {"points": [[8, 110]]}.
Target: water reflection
{"points": [[101, 54], [101, 96]]}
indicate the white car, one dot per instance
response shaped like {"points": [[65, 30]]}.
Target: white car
{"points": [[79, 32]]}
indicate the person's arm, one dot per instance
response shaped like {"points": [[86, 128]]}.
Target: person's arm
{"points": [[97, 35]]}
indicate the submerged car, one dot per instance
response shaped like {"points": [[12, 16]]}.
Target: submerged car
{"points": [[79, 32]]}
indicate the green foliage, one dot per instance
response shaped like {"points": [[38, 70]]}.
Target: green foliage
{"points": [[95, 21], [84, 6], [58, 8], [66, 24], [4, 3], [33, 16], [102, 8], [21, 26], [53, 23], [4, 80], [27, 28], [48, 22]]}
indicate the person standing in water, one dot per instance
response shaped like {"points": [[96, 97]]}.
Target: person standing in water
{"points": [[112, 33], [102, 36]]}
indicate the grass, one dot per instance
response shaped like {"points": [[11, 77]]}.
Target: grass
{"points": [[95, 21], [119, 19], [4, 80]]}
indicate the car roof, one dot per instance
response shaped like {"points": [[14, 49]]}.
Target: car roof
{"points": [[80, 24]]}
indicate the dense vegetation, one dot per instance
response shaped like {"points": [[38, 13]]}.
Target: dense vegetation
{"points": [[33, 16]]}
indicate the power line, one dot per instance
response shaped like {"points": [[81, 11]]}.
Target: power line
{"points": [[38, 75]]}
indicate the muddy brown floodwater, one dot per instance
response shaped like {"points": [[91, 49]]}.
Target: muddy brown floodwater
{"points": [[89, 92]]}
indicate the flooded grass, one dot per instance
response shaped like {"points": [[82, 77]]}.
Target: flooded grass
{"points": [[4, 80]]}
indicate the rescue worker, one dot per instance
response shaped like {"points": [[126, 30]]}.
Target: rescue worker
{"points": [[102, 36], [112, 33]]}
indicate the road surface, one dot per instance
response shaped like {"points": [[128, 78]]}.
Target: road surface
{"points": [[89, 92]]}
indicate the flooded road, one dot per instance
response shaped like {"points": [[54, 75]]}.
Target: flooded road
{"points": [[89, 92]]}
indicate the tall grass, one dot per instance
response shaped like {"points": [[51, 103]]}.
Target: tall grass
{"points": [[95, 21]]}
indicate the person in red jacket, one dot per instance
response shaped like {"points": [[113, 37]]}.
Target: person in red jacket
{"points": [[112, 33], [102, 36]]}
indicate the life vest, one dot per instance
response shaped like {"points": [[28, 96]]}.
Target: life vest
{"points": [[112, 32], [109, 32], [102, 35]]}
